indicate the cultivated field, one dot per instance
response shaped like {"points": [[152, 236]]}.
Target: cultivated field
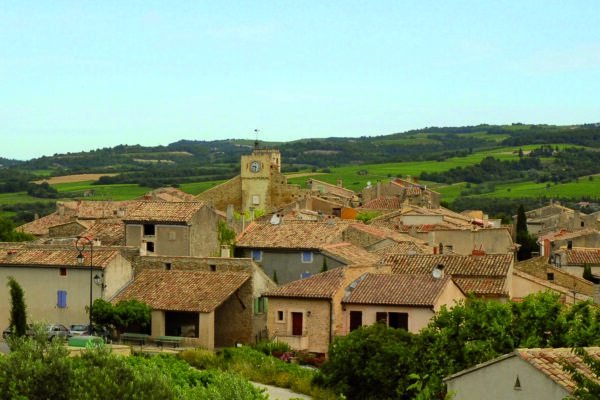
{"points": [[73, 178]]}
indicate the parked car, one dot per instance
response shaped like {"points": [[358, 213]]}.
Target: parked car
{"points": [[6, 333], [61, 331], [83, 330]]}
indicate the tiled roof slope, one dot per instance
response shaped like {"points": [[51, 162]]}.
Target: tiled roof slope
{"points": [[397, 289], [320, 286], [580, 256], [408, 247], [55, 257], [292, 234], [335, 190], [40, 226], [382, 232], [550, 362], [109, 232], [482, 286], [550, 285], [383, 203], [493, 265], [183, 290], [161, 211], [350, 253], [566, 235], [101, 209]]}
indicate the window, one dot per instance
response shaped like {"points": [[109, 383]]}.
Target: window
{"points": [[255, 200], [449, 247], [260, 305], [62, 299], [168, 266], [63, 272], [306, 257], [398, 320], [355, 320], [257, 255], [381, 317], [550, 276], [213, 267], [149, 230], [150, 247], [280, 316]]}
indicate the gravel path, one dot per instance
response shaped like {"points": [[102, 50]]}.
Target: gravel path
{"points": [[276, 393]]}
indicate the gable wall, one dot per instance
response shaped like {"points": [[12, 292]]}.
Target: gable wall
{"points": [[234, 318], [220, 196]]}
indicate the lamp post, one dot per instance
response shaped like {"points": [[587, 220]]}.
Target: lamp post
{"points": [[80, 245]]}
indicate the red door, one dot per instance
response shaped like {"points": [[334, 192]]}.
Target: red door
{"points": [[297, 324]]}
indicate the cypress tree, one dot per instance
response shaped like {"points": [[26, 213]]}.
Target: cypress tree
{"points": [[587, 272], [324, 268], [18, 310], [275, 278]]}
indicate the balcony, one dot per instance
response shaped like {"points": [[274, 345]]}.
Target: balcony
{"points": [[298, 342]]}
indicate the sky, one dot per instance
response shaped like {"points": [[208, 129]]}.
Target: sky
{"points": [[83, 75]]}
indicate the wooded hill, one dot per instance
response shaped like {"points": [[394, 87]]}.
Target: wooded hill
{"points": [[474, 160]]}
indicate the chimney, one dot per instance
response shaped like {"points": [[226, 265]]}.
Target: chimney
{"points": [[36, 216], [121, 213], [97, 242], [61, 209], [378, 188], [251, 214], [485, 220], [229, 217], [339, 182], [225, 251], [408, 178], [596, 290]]}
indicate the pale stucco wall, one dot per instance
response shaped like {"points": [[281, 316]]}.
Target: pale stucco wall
{"points": [[497, 382], [418, 317], [493, 241]]}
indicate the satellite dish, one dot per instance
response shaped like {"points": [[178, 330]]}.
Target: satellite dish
{"points": [[275, 220], [368, 183], [437, 273]]}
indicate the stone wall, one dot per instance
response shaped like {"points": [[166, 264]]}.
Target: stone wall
{"points": [[71, 229], [540, 268], [220, 196], [234, 318]]}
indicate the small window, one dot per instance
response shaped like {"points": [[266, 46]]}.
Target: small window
{"points": [[63, 272], [213, 267], [449, 247], [257, 255], [255, 200], [517, 384], [150, 247], [582, 224], [550, 276], [305, 275], [279, 316], [307, 257], [168, 266], [62, 299], [149, 230]]}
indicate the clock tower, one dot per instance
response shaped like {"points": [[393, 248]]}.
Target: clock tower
{"points": [[257, 173]]}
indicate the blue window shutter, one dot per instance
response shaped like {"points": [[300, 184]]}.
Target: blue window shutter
{"points": [[62, 298], [306, 256]]}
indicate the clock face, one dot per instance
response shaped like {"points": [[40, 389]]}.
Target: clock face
{"points": [[255, 166]]}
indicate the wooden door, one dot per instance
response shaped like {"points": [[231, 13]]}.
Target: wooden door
{"points": [[297, 324]]}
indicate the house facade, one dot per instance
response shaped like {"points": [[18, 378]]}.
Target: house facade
{"points": [[523, 374], [57, 288], [173, 228]]}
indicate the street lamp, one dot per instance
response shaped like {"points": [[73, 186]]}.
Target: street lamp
{"points": [[79, 245]]}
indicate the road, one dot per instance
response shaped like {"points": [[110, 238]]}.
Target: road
{"points": [[277, 393]]}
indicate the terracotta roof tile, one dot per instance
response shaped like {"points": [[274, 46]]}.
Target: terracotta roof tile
{"points": [[41, 226], [350, 253], [580, 256], [550, 363], [183, 290], [397, 289], [383, 203], [160, 211], [320, 286], [481, 275], [407, 247], [334, 189], [109, 232], [292, 234], [55, 257]]}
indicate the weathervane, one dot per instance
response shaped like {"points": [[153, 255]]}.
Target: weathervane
{"points": [[256, 140]]}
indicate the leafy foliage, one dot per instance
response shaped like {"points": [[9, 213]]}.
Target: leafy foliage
{"points": [[587, 389], [124, 314], [18, 309], [9, 234]]}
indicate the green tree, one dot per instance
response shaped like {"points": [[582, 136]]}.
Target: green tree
{"points": [[275, 279], [521, 220], [587, 272], [124, 314], [9, 234], [18, 309], [226, 236], [528, 243], [372, 362], [324, 268]]}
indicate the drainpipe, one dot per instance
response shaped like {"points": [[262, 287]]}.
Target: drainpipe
{"points": [[330, 321]]}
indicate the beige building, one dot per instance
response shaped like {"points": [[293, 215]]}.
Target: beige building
{"points": [[207, 309], [525, 284], [173, 228], [309, 313], [260, 185], [523, 374], [406, 191], [56, 286]]}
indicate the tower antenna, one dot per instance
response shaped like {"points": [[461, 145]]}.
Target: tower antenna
{"points": [[256, 140]]}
